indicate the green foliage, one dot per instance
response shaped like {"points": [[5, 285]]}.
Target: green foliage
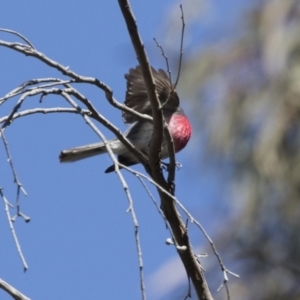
{"points": [[248, 97]]}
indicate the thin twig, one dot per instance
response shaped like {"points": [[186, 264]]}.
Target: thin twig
{"points": [[157, 116], [165, 57], [225, 271], [94, 113], [44, 111], [97, 116], [19, 35], [11, 226], [136, 233], [130, 208], [18, 105], [21, 89], [181, 46], [77, 78], [171, 169], [16, 179], [126, 189], [156, 205]]}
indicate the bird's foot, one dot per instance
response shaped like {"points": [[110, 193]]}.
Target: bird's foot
{"points": [[166, 166], [178, 165]]}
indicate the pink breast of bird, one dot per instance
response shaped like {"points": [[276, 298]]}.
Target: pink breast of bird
{"points": [[180, 130]]}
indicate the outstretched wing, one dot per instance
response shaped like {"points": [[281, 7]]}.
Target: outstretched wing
{"points": [[137, 97]]}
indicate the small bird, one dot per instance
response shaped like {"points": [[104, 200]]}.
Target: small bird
{"points": [[140, 132]]}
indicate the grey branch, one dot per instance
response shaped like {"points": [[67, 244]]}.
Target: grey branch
{"points": [[12, 291], [169, 206]]}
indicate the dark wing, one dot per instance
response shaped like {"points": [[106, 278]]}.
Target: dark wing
{"points": [[137, 97]]}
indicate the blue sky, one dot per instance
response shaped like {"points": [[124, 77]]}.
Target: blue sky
{"points": [[80, 242]]}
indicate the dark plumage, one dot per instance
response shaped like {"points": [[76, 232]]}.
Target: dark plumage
{"points": [[140, 132]]}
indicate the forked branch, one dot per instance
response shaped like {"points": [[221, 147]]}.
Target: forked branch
{"points": [[178, 227]]}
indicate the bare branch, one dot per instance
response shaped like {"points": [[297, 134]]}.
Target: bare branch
{"points": [[181, 47], [154, 159], [225, 271], [20, 187], [77, 78], [19, 35], [136, 233], [11, 226], [191, 264], [44, 111], [12, 291], [165, 188], [165, 57], [21, 89], [130, 209], [124, 184], [95, 114], [171, 169]]}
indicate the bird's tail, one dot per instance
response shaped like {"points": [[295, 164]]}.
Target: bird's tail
{"points": [[82, 152]]}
